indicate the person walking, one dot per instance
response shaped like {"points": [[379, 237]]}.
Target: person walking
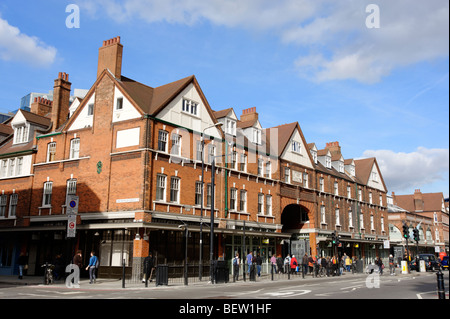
{"points": [[23, 261], [294, 264], [287, 263], [304, 265], [273, 262], [149, 266], [91, 267], [258, 261], [236, 263], [78, 260], [249, 261]]}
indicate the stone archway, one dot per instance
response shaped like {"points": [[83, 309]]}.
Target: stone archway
{"points": [[294, 216]]}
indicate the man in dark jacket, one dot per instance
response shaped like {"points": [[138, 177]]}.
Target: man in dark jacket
{"points": [[149, 265]]}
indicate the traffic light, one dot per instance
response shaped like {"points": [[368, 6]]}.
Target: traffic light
{"points": [[337, 240], [333, 237], [405, 231], [416, 234]]}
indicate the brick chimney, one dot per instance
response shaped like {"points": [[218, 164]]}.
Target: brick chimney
{"points": [[249, 115], [110, 57], [333, 147], [61, 100], [418, 201], [41, 106]]}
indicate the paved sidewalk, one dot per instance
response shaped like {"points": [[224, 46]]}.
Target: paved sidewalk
{"points": [[111, 284]]}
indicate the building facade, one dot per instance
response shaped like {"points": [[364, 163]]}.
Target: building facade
{"points": [[136, 157]]}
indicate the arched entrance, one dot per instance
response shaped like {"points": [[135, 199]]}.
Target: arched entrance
{"points": [[293, 218]]}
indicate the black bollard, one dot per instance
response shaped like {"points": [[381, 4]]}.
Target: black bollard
{"points": [[123, 273], [440, 284]]}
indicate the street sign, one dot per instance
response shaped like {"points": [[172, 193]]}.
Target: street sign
{"points": [[71, 225], [72, 204]]}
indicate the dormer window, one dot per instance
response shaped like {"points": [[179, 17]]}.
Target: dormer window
{"points": [[314, 156], [296, 147], [190, 107], [256, 136], [231, 127], [21, 133], [341, 167], [328, 161]]}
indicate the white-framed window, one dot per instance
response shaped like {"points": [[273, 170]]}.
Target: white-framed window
{"points": [[19, 169], [370, 197], [336, 188], [375, 176], [260, 167], [287, 175], [260, 203], [382, 223], [198, 193], [12, 166], [381, 200], [211, 153], [341, 167], [47, 197], [256, 136], [199, 150], [305, 180], [349, 192], [296, 147], [322, 214], [4, 168], [51, 152], [314, 156], [360, 195], [338, 217], [231, 127], [161, 187], [361, 220], [175, 189], [21, 133], [234, 160], [162, 140], [243, 163], [350, 218], [190, 107], [372, 225], [75, 148], [71, 186], [233, 195], [328, 162], [268, 169], [3, 200], [321, 184], [208, 195], [176, 145], [269, 205], [13, 199], [243, 200]]}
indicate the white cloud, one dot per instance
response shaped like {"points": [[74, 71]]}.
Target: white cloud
{"points": [[16, 46], [333, 40], [405, 171]]}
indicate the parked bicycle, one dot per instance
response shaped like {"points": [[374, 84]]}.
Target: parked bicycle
{"points": [[48, 273]]}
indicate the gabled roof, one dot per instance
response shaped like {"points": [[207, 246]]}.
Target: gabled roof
{"points": [[432, 202], [222, 113], [36, 119], [363, 168], [5, 129]]}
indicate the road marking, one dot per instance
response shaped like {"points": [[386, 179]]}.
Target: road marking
{"points": [[290, 293]]}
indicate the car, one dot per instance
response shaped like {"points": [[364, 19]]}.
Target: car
{"points": [[431, 262], [444, 262]]}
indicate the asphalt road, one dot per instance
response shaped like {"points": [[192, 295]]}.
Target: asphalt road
{"points": [[360, 286]]}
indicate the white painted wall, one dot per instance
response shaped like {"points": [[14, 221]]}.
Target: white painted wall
{"points": [[173, 113], [128, 137], [301, 158], [84, 120], [127, 112], [377, 185]]}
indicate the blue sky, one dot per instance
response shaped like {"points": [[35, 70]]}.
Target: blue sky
{"points": [[380, 92]]}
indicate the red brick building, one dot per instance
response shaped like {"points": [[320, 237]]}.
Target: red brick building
{"points": [[133, 155]]}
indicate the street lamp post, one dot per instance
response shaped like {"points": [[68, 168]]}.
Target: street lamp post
{"points": [[200, 265]]}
